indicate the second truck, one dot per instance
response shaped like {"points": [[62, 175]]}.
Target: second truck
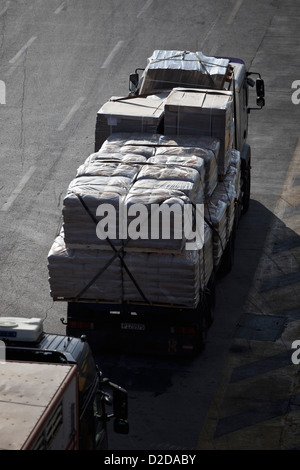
{"points": [[177, 141], [53, 395]]}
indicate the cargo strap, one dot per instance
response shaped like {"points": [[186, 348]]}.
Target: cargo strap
{"points": [[118, 254], [205, 69], [209, 223]]}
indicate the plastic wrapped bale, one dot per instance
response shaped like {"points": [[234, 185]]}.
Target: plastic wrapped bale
{"points": [[134, 143], [169, 278], [179, 173], [84, 196], [203, 113], [71, 271], [234, 170], [226, 192], [111, 165], [167, 69], [155, 218], [216, 217], [210, 175], [205, 147], [206, 256]]}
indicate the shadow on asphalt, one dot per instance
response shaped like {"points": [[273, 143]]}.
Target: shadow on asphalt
{"points": [[137, 371]]}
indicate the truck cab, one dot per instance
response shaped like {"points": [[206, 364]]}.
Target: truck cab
{"points": [[25, 340]]}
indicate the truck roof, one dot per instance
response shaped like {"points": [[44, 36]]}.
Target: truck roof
{"points": [[26, 391], [25, 340]]}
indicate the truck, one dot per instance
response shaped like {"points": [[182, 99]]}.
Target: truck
{"points": [[53, 395], [179, 137]]}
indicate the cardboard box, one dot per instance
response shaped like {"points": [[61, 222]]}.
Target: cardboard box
{"points": [[134, 114], [202, 113]]}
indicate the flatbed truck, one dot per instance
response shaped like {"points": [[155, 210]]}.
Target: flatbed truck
{"points": [[167, 328]]}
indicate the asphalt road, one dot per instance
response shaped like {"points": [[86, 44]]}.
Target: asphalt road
{"points": [[60, 61]]}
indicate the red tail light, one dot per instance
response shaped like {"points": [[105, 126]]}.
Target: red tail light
{"points": [[184, 330], [81, 325]]}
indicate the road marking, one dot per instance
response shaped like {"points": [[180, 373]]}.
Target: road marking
{"points": [[71, 113], [61, 7], [4, 10], [22, 50], [234, 11], [18, 189], [112, 54], [145, 7]]}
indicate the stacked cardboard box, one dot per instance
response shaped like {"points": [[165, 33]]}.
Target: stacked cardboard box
{"points": [[133, 114], [202, 113]]}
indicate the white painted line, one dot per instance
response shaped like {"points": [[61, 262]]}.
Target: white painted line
{"points": [[234, 11], [22, 50], [11, 70], [4, 10], [145, 7], [60, 8], [71, 113], [112, 54], [18, 189]]}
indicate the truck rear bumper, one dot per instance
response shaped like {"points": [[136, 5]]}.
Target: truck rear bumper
{"points": [[159, 332]]}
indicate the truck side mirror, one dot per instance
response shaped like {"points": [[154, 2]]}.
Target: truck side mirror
{"points": [[260, 90], [133, 82]]}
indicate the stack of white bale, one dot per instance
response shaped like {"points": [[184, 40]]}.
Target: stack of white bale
{"points": [[129, 170], [72, 270]]}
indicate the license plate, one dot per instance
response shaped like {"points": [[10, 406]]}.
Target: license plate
{"points": [[133, 326]]}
